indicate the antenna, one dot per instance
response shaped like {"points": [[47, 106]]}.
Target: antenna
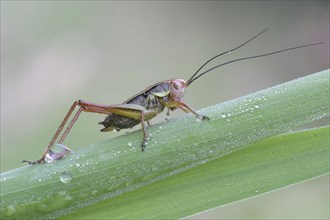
{"points": [[250, 57], [223, 53]]}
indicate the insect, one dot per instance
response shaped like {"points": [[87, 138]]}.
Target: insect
{"points": [[145, 105]]}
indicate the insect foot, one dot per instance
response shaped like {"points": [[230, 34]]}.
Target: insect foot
{"points": [[144, 143], [205, 117], [34, 162], [202, 117], [56, 152]]}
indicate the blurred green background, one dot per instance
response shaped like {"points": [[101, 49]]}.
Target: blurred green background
{"points": [[56, 52]]}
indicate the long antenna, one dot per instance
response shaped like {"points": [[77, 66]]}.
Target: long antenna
{"points": [[250, 57], [223, 53]]}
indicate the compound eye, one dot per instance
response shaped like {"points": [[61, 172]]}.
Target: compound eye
{"points": [[176, 86]]}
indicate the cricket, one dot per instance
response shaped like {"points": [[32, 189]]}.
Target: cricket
{"points": [[145, 105]]}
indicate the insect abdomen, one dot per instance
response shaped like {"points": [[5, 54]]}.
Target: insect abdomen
{"points": [[117, 122]]}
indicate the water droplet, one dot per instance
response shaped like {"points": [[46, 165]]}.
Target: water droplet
{"points": [[130, 144], [10, 210], [78, 164], [256, 191], [54, 201], [66, 177], [58, 151], [256, 106], [223, 115]]}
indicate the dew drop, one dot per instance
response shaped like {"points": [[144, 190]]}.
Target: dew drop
{"points": [[66, 177], [58, 151], [10, 210], [94, 192], [256, 106], [130, 144], [48, 159], [223, 115]]}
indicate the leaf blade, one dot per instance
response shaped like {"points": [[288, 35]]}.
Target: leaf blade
{"points": [[294, 157], [37, 192]]}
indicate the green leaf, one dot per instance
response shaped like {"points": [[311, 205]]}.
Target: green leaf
{"points": [[111, 168], [262, 167]]}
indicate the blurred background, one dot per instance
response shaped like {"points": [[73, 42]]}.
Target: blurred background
{"points": [[56, 52]]}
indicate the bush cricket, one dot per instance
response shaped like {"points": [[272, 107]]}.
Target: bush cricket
{"points": [[145, 105]]}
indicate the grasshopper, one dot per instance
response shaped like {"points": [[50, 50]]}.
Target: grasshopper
{"points": [[145, 105]]}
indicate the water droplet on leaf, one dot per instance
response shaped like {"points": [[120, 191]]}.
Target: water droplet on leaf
{"points": [[66, 177], [58, 151], [10, 210]]}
